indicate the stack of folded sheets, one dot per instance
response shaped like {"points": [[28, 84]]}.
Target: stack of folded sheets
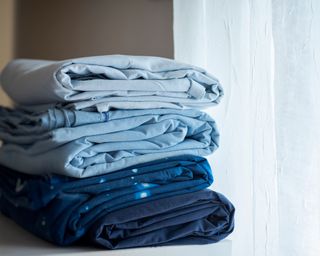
{"points": [[109, 150]]}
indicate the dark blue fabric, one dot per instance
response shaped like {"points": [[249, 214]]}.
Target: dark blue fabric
{"points": [[196, 218], [61, 209]]}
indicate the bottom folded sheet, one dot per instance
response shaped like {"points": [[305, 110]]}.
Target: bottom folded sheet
{"points": [[161, 202], [201, 217], [61, 209]]}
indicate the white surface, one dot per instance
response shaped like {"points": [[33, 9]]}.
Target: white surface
{"points": [[16, 241], [266, 54], [233, 40]]}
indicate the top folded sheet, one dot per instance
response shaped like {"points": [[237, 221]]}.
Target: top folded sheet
{"points": [[112, 81]]}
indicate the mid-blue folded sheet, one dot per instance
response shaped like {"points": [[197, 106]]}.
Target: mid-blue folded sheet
{"points": [[62, 209], [112, 81], [84, 144]]}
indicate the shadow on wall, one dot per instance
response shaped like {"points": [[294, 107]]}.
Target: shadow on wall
{"points": [[58, 29], [64, 29], [6, 42]]}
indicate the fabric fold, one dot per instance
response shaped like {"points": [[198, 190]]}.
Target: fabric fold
{"points": [[61, 209], [112, 81], [83, 144], [197, 218]]}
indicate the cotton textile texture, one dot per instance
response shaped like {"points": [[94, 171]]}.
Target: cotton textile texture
{"points": [[112, 81], [83, 144], [61, 209], [196, 218]]}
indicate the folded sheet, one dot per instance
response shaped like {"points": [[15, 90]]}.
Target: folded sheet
{"points": [[196, 218], [114, 81], [61, 209], [83, 144]]}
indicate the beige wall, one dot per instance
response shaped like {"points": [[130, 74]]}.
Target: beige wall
{"points": [[6, 38], [59, 29]]}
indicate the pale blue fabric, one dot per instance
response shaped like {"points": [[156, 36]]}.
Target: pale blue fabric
{"points": [[113, 81], [84, 144]]}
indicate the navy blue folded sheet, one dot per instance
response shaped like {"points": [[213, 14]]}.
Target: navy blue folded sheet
{"points": [[201, 217], [61, 209]]}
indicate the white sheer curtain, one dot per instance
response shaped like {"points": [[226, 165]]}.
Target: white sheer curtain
{"points": [[267, 56]]}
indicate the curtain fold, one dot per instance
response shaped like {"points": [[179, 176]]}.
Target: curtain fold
{"points": [[297, 117], [265, 55]]}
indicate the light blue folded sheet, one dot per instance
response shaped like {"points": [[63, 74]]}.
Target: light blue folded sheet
{"points": [[112, 81], [84, 144]]}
